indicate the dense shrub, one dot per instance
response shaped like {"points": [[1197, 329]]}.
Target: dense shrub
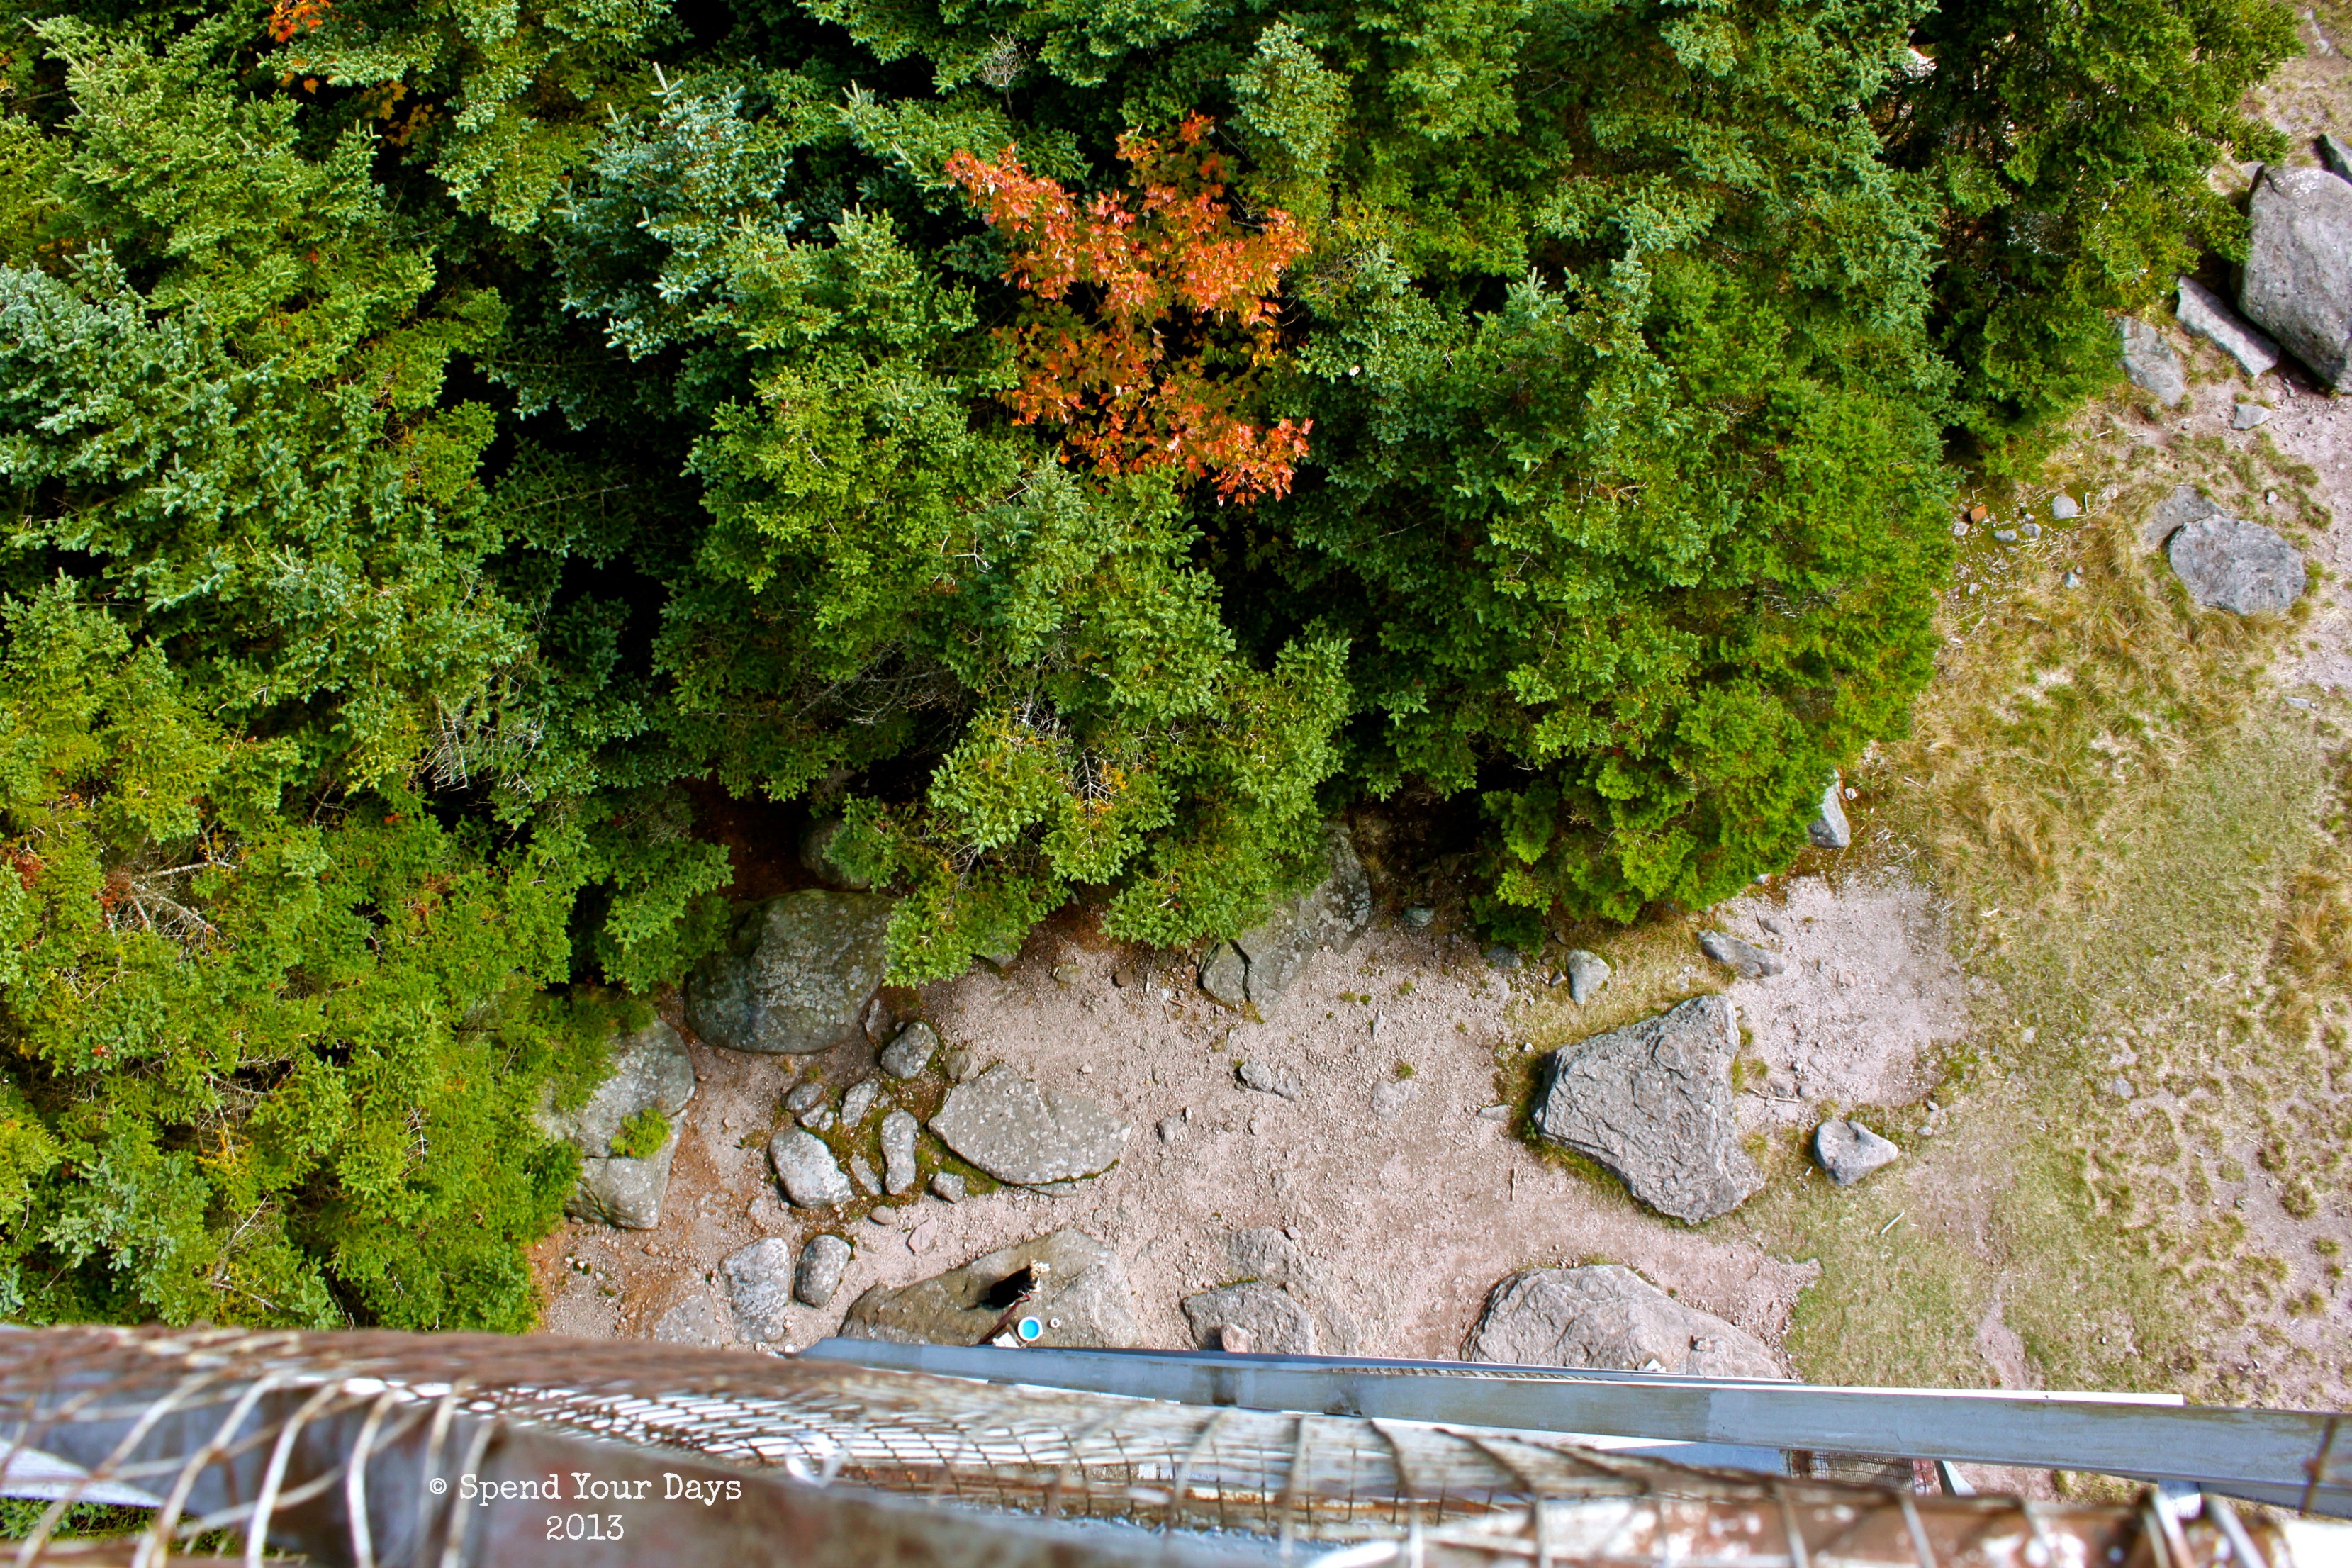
{"points": [[1082, 447]]}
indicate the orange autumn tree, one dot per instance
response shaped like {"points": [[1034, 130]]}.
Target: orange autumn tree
{"points": [[1154, 312]]}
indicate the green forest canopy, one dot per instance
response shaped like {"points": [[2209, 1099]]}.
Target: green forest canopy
{"points": [[1082, 443]]}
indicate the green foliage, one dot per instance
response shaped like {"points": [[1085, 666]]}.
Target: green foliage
{"points": [[641, 1136], [444, 448]]}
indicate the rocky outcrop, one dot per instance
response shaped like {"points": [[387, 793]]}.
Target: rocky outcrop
{"points": [[1608, 1316], [1652, 1103], [1848, 1151], [1259, 965], [2298, 272], [2151, 363], [2208, 316], [2241, 567], [797, 977], [1026, 1135], [1071, 1283], [651, 1072]]}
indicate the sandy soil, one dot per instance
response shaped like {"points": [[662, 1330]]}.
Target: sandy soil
{"points": [[1409, 1217]]}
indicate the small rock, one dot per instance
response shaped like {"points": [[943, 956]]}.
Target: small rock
{"points": [[820, 1120], [2151, 363], [2246, 415], [947, 1187], [881, 1022], [1172, 1130], [1269, 1081], [2241, 567], [1002, 961], [2073, 579], [2006, 535], [2065, 507], [1587, 973], [1419, 915], [1494, 1113], [863, 1174], [1270, 1318], [1829, 828], [1068, 1276], [1653, 1103], [1848, 1151], [1960, 528], [759, 1287], [1233, 1340], [898, 1130], [1607, 1317], [2121, 1088], [2298, 273], [804, 1097], [1502, 955], [2029, 530], [2204, 312], [1980, 512], [1019, 1133], [693, 1321], [1067, 974], [824, 1262], [1392, 1094], [858, 1104], [912, 1052], [811, 1177], [1224, 974], [1752, 961], [1126, 977], [961, 1064]]}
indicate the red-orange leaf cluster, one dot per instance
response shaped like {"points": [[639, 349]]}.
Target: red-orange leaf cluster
{"points": [[288, 18], [1154, 315]]}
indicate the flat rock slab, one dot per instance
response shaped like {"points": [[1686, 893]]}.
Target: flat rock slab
{"points": [[1587, 973], [2149, 363], [2241, 567], [1608, 1316], [2298, 273], [811, 1176], [1277, 1322], [2208, 315], [1848, 1151], [1752, 961], [650, 1071], [1653, 1103], [1332, 914], [1020, 1133], [1070, 1277], [797, 976]]}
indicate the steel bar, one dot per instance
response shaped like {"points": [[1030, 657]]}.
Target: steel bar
{"points": [[2278, 1456]]}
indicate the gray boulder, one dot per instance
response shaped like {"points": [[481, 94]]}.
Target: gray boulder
{"points": [[1275, 1321], [1848, 1151], [2335, 155], [2151, 363], [1752, 961], [823, 1262], [811, 1176], [898, 1130], [2175, 512], [1074, 1285], [2241, 567], [1652, 1103], [796, 978], [1020, 1133], [759, 1281], [2298, 273], [1225, 975], [2208, 315], [624, 1193], [912, 1052], [1828, 830], [1608, 1316], [1587, 973], [1332, 914], [651, 1070]]}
